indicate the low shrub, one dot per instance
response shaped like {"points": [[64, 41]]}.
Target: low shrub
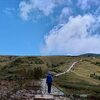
{"points": [[38, 73]]}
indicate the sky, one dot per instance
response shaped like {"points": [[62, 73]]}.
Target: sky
{"points": [[49, 27]]}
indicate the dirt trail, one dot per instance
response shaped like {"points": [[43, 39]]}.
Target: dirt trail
{"points": [[54, 90], [67, 69], [58, 94]]}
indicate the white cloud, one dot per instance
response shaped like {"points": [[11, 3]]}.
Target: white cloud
{"points": [[66, 12], [44, 6], [87, 4], [73, 37], [25, 9]]}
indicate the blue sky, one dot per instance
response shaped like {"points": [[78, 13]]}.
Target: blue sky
{"points": [[49, 27]]}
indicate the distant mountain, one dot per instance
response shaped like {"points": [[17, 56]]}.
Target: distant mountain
{"points": [[90, 55]]}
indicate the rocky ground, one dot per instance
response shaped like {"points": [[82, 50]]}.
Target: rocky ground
{"points": [[9, 90], [54, 90], [26, 90]]}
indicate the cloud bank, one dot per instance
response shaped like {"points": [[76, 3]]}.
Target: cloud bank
{"points": [[45, 7], [77, 30], [73, 38]]}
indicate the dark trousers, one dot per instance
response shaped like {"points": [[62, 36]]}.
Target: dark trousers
{"points": [[49, 87]]}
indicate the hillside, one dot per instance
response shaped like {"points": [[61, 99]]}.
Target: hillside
{"points": [[84, 78], [15, 65], [85, 66], [90, 55]]}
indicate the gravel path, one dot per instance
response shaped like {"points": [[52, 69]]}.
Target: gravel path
{"points": [[58, 95], [67, 69], [55, 91]]}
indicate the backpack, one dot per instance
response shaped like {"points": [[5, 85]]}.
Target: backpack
{"points": [[49, 79]]}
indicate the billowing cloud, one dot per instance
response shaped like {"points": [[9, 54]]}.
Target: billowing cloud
{"points": [[73, 37], [44, 6], [78, 27]]}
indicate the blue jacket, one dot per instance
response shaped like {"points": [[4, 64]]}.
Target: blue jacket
{"points": [[49, 79]]}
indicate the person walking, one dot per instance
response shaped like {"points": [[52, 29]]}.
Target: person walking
{"points": [[49, 82]]}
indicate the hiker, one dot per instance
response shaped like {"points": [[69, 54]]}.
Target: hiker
{"points": [[49, 82]]}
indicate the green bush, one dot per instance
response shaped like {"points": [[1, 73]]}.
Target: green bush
{"points": [[96, 63], [95, 76], [38, 73], [30, 74]]}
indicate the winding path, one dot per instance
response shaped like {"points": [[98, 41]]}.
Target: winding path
{"points": [[67, 69], [54, 90]]}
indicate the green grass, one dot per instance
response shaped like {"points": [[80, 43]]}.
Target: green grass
{"points": [[79, 80], [20, 67], [76, 81], [73, 84]]}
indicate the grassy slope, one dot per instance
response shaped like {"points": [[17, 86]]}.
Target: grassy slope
{"points": [[20, 66], [84, 69], [78, 80]]}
